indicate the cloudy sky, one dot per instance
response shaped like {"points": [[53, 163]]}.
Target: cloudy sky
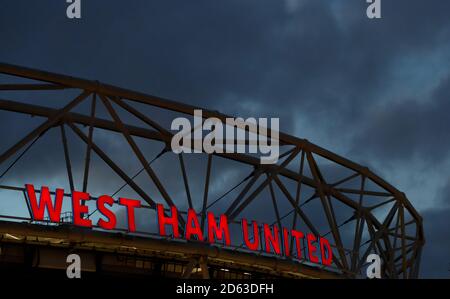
{"points": [[374, 91]]}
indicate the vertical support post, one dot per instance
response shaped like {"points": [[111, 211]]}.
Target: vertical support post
{"points": [[67, 158], [185, 180], [297, 196], [87, 159], [205, 194]]}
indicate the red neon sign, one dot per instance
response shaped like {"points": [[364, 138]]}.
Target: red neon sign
{"points": [[271, 239]]}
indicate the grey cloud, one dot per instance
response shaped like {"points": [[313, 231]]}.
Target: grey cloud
{"points": [[435, 260], [409, 129]]}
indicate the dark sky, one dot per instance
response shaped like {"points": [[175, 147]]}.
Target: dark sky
{"points": [[374, 91]]}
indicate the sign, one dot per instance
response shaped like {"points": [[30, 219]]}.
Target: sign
{"points": [[255, 237]]}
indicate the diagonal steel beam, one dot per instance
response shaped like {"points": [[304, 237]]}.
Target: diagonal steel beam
{"points": [[140, 156], [298, 195], [206, 191], [87, 160], [302, 215], [120, 125], [141, 116], [234, 213], [326, 204], [256, 174], [359, 227], [67, 158], [277, 212], [113, 166], [43, 127], [185, 180]]}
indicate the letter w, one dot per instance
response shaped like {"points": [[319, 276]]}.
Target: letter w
{"points": [[45, 202]]}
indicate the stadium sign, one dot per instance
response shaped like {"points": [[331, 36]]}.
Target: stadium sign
{"points": [[269, 238]]}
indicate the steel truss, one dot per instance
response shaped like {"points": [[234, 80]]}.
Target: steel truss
{"points": [[397, 237]]}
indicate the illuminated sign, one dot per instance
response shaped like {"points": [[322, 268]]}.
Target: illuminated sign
{"points": [[270, 238]]}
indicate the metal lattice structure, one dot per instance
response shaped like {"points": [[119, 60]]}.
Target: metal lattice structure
{"points": [[359, 211]]}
